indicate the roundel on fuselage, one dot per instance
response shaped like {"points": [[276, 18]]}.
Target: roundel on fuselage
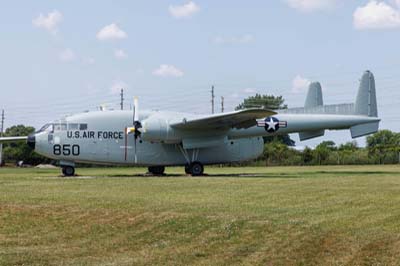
{"points": [[271, 124]]}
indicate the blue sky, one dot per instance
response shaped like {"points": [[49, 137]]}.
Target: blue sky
{"points": [[60, 57]]}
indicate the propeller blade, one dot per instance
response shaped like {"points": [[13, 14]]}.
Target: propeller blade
{"points": [[135, 150], [136, 124], [135, 109]]}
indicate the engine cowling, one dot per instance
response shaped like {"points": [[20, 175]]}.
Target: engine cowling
{"points": [[157, 129]]}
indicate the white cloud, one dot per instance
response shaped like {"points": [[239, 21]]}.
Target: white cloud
{"points": [[311, 5], [111, 32], [300, 84], [377, 15], [185, 10], [67, 55], [117, 86], [49, 22], [168, 71], [250, 90], [247, 38], [120, 54]]}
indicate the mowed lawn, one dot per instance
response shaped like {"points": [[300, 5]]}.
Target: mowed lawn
{"points": [[346, 215]]}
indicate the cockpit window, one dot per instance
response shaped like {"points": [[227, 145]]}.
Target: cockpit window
{"points": [[73, 126], [46, 128], [63, 127]]}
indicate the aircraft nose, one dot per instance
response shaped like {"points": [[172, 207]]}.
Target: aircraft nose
{"points": [[31, 141]]}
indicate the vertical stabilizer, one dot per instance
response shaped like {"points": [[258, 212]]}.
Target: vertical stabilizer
{"points": [[366, 97], [314, 99], [314, 96]]}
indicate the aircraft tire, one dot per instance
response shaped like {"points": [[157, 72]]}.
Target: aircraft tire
{"points": [[196, 169], [68, 171], [157, 170], [187, 169]]}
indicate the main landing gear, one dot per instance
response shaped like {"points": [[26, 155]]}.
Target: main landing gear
{"points": [[194, 169], [68, 170], [157, 170]]}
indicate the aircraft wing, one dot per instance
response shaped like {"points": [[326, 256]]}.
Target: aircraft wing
{"points": [[12, 139], [237, 119]]}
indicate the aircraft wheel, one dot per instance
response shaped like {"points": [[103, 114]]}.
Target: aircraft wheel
{"points": [[196, 169], [157, 170], [68, 171], [187, 169]]}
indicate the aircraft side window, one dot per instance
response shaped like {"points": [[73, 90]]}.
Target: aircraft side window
{"points": [[60, 127], [83, 127], [73, 126]]}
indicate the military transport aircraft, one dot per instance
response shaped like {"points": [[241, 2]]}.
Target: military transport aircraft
{"points": [[157, 139]]}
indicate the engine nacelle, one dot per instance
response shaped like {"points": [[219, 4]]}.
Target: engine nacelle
{"points": [[157, 129]]}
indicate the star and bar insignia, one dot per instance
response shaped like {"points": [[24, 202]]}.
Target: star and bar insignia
{"points": [[271, 124]]}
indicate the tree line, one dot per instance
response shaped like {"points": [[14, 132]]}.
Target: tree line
{"points": [[382, 147]]}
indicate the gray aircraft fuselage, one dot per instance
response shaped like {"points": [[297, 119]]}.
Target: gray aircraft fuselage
{"points": [[102, 138]]}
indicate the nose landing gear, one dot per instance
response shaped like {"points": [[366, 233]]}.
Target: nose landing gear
{"points": [[68, 170]]}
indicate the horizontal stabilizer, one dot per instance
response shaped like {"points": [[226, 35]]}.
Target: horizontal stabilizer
{"points": [[364, 129], [311, 134], [332, 109]]}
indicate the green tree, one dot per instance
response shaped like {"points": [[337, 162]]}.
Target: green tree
{"points": [[263, 101], [19, 151], [307, 155], [274, 152], [384, 145], [348, 146], [323, 150], [329, 144]]}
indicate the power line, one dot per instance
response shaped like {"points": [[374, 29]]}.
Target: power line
{"points": [[1, 134], [212, 99], [2, 123], [122, 99]]}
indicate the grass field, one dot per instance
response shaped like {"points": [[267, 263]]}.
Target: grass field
{"points": [[235, 216]]}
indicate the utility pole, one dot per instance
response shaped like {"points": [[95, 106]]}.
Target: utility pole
{"points": [[122, 99], [212, 99], [1, 134], [399, 157], [222, 104]]}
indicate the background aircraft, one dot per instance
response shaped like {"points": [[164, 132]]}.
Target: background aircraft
{"points": [[157, 139]]}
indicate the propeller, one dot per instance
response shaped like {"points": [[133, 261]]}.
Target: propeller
{"points": [[135, 129]]}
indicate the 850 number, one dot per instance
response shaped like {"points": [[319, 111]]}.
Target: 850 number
{"points": [[66, 150]]}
